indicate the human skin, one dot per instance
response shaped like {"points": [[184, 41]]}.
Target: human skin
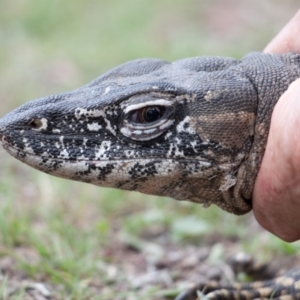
{"points": [[276, 198]]}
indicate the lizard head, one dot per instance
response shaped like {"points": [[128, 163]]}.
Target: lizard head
{"points": [[147, 125]]}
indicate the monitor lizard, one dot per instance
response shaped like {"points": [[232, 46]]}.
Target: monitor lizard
{"points": [[194, 129]]}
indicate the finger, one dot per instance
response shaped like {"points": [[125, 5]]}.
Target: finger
{"points": [[276, 197], [288, 39]]}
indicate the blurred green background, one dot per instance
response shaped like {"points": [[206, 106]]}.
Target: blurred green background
{"points": [[68, 234]]}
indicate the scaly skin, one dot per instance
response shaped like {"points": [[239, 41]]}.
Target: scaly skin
{"points": [[193, 130]]}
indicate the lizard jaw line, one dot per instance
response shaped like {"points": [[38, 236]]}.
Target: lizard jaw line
{"points": [[20, 153]]}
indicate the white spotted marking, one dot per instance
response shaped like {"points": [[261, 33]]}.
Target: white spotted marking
{"points": [[194, 144], [125, 131], [64, 154], [178, 153], [168, 135], [128, 153], [94, 126], [61, 139], [109, 127], [84, 142], [181, 126], [80, 112], [107, 90], [27, 147], [44, 124], [101, 153], [178, 141]]}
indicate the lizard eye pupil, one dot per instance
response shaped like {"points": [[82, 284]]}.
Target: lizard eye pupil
{"points": [[148, 114], [152, 114]]}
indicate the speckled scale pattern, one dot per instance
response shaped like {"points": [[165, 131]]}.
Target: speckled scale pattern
{"points": [[206, 146], [285, 287]]}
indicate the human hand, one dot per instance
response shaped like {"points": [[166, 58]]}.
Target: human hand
{"points": [[276, 198], [288, 39]]}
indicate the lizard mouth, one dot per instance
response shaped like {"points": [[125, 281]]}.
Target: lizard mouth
{"points": [[4, 143], [2, 138]]}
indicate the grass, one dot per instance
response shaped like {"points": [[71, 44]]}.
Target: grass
{"points": [[86, 242]]}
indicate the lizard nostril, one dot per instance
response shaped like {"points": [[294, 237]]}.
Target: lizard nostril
{"points": [[38, 124]]}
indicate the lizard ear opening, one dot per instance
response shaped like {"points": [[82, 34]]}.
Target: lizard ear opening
{"points": [[148, 119]]}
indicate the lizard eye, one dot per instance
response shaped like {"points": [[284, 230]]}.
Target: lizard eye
{"points": [[147, 118], [147, 114]]}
